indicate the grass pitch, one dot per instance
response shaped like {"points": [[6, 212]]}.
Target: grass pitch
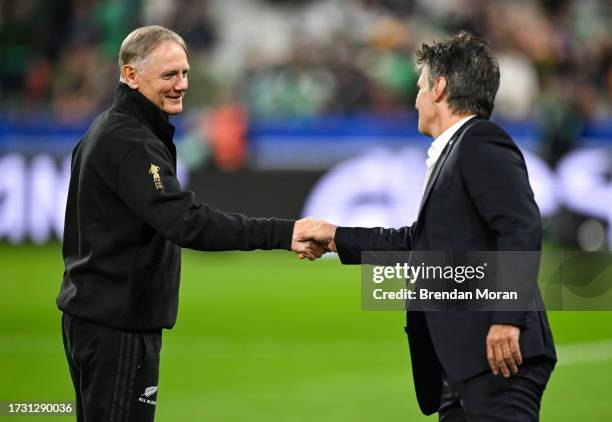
{"points": [[264, 336]]}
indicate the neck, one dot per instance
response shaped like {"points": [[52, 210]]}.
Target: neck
{"points": [[445, 120]]}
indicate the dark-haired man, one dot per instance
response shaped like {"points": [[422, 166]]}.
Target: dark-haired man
{"points": [[127, 218], [468, 366]]}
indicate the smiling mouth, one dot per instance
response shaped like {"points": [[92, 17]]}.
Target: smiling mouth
{"points": [[174, 97]]}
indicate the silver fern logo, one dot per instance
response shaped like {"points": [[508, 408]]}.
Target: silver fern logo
{"points": [[149, 392]]}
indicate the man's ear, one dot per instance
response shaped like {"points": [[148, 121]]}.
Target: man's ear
{"points": [[128, 72], [439, 88]]}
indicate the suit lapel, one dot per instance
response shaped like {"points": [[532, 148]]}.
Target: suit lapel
{"points": [[441, 160]]}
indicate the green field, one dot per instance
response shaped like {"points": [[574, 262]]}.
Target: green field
{"points": [[264, 336]]}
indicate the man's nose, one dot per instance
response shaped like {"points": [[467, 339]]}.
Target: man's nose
{"points": [[181, 84]]}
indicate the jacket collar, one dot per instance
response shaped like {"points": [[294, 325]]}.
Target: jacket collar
{"points": [[131, 101], [455, 138]]}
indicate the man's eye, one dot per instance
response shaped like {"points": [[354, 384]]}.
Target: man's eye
{"points": [[167, 77]]}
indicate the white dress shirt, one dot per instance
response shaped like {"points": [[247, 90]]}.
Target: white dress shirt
{"points": [[438, 145]]}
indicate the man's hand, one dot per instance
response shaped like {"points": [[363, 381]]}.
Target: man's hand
{"points": [[319, 231], [503, 350], [306, 248]]}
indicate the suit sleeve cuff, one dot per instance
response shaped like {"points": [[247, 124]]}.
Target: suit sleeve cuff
{"points": [[518, 319], [346, 252]]}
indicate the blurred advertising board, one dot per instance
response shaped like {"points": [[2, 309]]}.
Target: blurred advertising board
{"points": [[365, 175]]}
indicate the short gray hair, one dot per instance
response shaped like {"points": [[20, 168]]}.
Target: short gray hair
{"points": [[140, 42]]}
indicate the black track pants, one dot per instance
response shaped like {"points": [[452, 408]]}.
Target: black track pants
{"points": [[114, 372]]}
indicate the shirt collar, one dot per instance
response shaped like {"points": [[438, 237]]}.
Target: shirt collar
{"points": [[438, 145], [131, 101]]}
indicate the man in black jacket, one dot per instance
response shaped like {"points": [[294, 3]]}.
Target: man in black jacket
{"points": [[477, 198], [127, 218]]}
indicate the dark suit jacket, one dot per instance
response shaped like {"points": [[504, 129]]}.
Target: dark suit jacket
{"points": [[478, 198]]}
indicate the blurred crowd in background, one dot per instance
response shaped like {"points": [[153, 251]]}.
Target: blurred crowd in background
{"points": [[308, 57], [268, 76]]}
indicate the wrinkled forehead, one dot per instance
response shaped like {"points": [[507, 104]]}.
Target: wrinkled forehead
{"points": [[166, 54]]}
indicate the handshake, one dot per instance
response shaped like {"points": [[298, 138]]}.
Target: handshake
{"points": [[312, 238]]}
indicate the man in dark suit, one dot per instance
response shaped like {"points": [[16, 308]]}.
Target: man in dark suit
{"points": [[467, 365]]}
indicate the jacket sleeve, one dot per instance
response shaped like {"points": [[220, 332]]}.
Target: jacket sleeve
{"points": [[147, 183], [495, 176], [351, 241]]}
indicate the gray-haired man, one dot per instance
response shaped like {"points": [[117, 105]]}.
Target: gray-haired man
{"points": [[126, 219]]}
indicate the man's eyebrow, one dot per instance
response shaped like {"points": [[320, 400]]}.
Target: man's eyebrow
{"points": [[173, 71]]}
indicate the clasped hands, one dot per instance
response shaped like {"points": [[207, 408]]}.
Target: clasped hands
{"points": [[312, 238]]}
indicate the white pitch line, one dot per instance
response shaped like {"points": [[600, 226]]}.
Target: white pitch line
{"points": [[584, 352], [568, 353]]}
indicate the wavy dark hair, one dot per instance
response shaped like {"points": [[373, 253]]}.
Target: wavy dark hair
{"points": [[471, 72]]}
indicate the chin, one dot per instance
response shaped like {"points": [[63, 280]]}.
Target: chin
{"points": [[420, 128], [175, 109], [423, 130]]}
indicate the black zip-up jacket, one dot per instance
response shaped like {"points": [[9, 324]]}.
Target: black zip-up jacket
{"points": [[127, 218]]}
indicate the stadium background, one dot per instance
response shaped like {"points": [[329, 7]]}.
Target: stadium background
{"points": [[297, 108]]}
